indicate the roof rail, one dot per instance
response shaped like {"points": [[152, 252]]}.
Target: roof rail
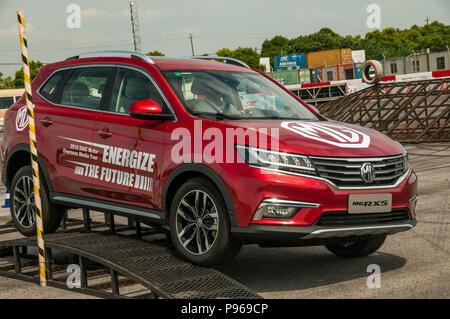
{"points": [[223, 58], [115, 53]]}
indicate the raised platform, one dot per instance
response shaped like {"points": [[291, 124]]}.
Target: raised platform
{"points": [[112, 262]]}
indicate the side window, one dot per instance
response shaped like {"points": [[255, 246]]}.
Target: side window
{"points": [[6, 102], [85, 87], [50, 88], [130, 86]]}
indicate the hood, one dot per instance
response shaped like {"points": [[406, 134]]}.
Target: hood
{"points": [[323, 138]]}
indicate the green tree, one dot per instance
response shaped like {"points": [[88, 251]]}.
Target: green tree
{"points": [[34, 69], [391, 42], [6, 83], [246, 55], [155, 53]]}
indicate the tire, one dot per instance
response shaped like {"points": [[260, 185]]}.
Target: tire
{"points": [[360, 248], [213, 230], [378, 68], [22, 205]]}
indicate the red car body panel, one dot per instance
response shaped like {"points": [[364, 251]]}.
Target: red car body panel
{"points": [[247, 186]]}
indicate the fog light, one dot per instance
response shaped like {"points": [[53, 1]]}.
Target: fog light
{"points": [[273, 208], [275, 211]]}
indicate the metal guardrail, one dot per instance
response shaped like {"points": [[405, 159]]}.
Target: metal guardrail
{"points": [[409, 111]]}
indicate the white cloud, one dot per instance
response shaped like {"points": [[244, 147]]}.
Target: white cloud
{"points": [[13, 30]]}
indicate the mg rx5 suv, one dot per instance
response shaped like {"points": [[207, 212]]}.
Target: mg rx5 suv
{"points": [[218, 153]]}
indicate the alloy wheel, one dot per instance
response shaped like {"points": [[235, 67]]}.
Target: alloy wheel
{"points": [[197, 222], [23, 204]]}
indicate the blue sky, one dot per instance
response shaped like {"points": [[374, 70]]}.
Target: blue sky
{"points": [[165, 25]]}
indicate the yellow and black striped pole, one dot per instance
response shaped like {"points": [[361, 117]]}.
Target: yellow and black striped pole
{"points": [[34, 154]]}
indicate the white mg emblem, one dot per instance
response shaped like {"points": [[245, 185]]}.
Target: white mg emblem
{"points": [[329, 133], [22, 119]]}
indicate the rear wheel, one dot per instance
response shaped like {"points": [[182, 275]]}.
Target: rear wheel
{"points": [[199, 224], [23, 210], [360, 248]]}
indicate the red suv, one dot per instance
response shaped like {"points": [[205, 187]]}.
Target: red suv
{"points": [[219, 153]]}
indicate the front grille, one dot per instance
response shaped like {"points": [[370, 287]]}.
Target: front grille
{"points": [[346, 172], [336, 219]]}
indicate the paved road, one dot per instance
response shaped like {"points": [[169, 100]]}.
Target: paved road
{"points": [[414, 264]]}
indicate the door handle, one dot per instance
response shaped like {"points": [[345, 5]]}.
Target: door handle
{"points": [[46, 121], [105, 133]]}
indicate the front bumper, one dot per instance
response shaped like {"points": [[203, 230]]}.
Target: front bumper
{"points": [[268, 235]]}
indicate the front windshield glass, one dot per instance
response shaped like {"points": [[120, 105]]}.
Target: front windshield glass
{"points": [[234, 95]]}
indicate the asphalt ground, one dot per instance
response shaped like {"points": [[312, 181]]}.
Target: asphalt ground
{"points": [[413, 264]]}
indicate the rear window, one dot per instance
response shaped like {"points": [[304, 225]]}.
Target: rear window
{"points": [[50, 88]]}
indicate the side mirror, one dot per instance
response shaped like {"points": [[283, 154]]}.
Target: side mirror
{"points": [[148, 110]]}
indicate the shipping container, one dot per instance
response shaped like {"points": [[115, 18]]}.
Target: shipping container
{"points": [[329, 57], [416, 63], [316, 75], [286, 77], [439, 61], [304, 76], [349, 71], [290, 62], [394, 66], [358, 56], [358, 70]]}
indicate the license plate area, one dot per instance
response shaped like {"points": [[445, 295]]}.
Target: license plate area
{"points": [[369, 203]]}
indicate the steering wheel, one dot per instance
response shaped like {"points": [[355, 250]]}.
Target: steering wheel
{"points": [[252, 110]]}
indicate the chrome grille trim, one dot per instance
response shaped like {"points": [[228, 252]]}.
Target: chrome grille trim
{"points": [[345, 172]]}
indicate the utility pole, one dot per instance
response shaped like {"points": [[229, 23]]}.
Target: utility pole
{"points": [[135, 27], [192, 44], [427, 20]]}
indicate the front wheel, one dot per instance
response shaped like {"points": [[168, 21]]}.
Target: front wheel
{"points": [[359, 248], [199, 224], [23, 210]]}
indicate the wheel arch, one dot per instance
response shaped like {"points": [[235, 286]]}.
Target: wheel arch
{"points": [[18, 157], [188, 171]]}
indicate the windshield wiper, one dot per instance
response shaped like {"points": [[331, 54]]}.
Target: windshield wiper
{"points": [[218, 116], [274, 117]]}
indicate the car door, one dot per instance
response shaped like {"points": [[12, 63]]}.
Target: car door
{"points": [[68, 104], [131, 149]]}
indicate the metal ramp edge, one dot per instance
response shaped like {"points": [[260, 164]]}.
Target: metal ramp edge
{"points": [[150, 265]]}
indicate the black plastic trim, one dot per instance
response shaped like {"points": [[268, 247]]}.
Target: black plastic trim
{"points": [[144, 214], [41, 162], [295, 235]]}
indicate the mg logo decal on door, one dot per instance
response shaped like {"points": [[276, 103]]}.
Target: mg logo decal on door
{"points": [[333, 134], [22, 119]]}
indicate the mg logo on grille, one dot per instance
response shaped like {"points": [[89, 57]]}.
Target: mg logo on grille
{"points": [[368, 173], [330, 133]]}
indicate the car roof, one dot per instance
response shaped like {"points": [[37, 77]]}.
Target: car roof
{"points": [[164, 63]]}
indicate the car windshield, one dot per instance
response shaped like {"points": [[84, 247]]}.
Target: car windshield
{"points": [[234, 95]]}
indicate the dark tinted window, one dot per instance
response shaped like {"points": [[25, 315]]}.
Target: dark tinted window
{"points": [[440, 63], [130, 86], [85, 87], [50, 88], [6, 102]]}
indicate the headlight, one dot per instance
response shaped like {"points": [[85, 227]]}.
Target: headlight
{"points": [[405, 163], [275, 160]]}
